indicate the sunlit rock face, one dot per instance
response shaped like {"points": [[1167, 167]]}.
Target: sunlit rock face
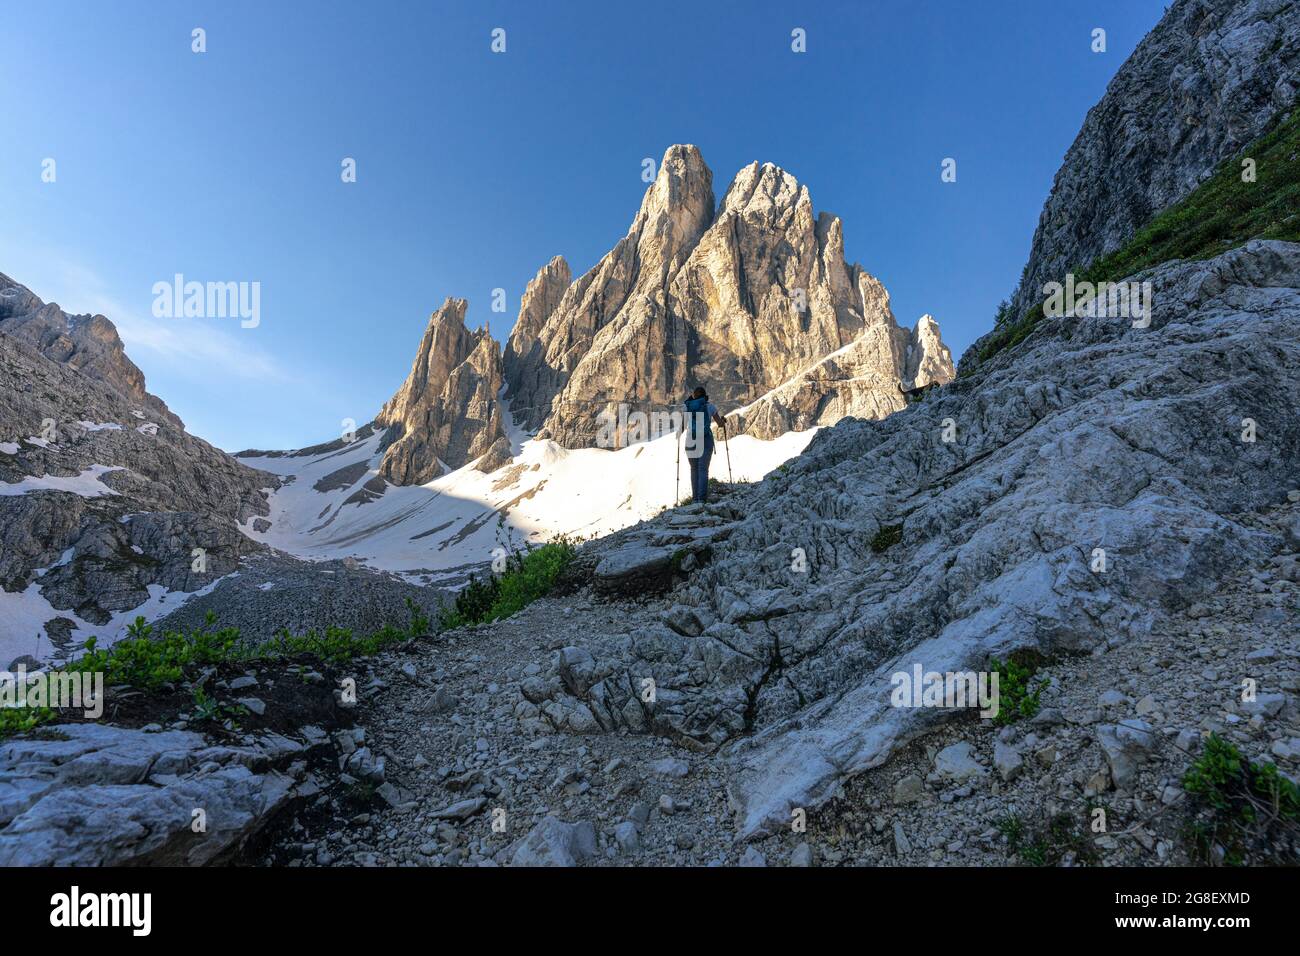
{"points": [[745, 301]]}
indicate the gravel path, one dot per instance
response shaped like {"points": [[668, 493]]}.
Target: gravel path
{"points": [[474, 773]]}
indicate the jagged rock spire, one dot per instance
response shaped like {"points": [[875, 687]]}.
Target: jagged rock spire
{"points": [[755, 300], [446, 412]]}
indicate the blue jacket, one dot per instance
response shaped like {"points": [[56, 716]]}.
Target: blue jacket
{"points": [[697, 411]]}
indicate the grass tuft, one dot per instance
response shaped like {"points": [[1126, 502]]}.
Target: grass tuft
{"points": [[886, 538]]}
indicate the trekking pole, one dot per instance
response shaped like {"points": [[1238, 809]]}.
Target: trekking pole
{"points": [[677, 488], [727, 445]]}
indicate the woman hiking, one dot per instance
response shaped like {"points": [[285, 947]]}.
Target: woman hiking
{"points": [[699, 440]]}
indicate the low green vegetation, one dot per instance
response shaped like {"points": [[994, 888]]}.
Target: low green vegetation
{"points": [[886, 537], [1047, 843], [1243, 808], [152, 662], [207, 708], [528, 575], [17, 720], [1222, 213], [148, 661], [1018, 692]]}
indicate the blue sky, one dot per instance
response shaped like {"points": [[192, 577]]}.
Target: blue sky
{"points": [[474, 168]]}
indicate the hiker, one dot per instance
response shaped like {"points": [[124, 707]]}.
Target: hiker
{"points": [[699, 449]]}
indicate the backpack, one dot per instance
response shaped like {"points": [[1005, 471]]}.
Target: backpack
{"points": [[696, 409]]}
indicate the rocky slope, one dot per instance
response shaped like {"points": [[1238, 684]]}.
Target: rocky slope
{"points": [[1118, 503], [107, 504], [479, 776], [85, 343], [767, 628], [1205, 82]]}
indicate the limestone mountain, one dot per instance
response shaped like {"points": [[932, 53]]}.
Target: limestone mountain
{"points": [[447, 412], [746, 300], [540, 299], [753, 299], [1202, 84], [104, 497], [85, 343], [613, 336], [864, 379]]}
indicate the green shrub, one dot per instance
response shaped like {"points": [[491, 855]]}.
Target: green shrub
{"points": [[528, 575], [1244, 807], [1018, 692], [17, 720], [148, 662]]}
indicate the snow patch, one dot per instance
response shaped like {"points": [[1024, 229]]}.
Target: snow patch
{"points": [[87, 484], [25, 614], [432, 532]]}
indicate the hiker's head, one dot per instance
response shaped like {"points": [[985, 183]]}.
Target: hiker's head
{"points": [[699, 392]]}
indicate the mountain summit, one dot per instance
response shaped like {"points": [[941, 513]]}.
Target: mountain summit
{"points": [[754, 300], [446, 412]]}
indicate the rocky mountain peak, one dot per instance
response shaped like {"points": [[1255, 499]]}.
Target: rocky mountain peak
{"points": [[540, 299], [1207, 80], [744, 300], [675, 210], [86, 343], [928, 360], [446, 413], [761, 188]]}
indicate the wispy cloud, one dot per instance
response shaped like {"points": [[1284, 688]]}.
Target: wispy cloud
{"points": [[202, 341], [150, 340]]}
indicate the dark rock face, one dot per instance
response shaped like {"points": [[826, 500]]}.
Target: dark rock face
{"points": [[1203, 84]]}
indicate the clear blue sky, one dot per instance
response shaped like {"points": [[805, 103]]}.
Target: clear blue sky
{"points": [[475, 168]]}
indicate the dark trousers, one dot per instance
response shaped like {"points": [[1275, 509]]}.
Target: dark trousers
{"points": [[700, 473]]}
